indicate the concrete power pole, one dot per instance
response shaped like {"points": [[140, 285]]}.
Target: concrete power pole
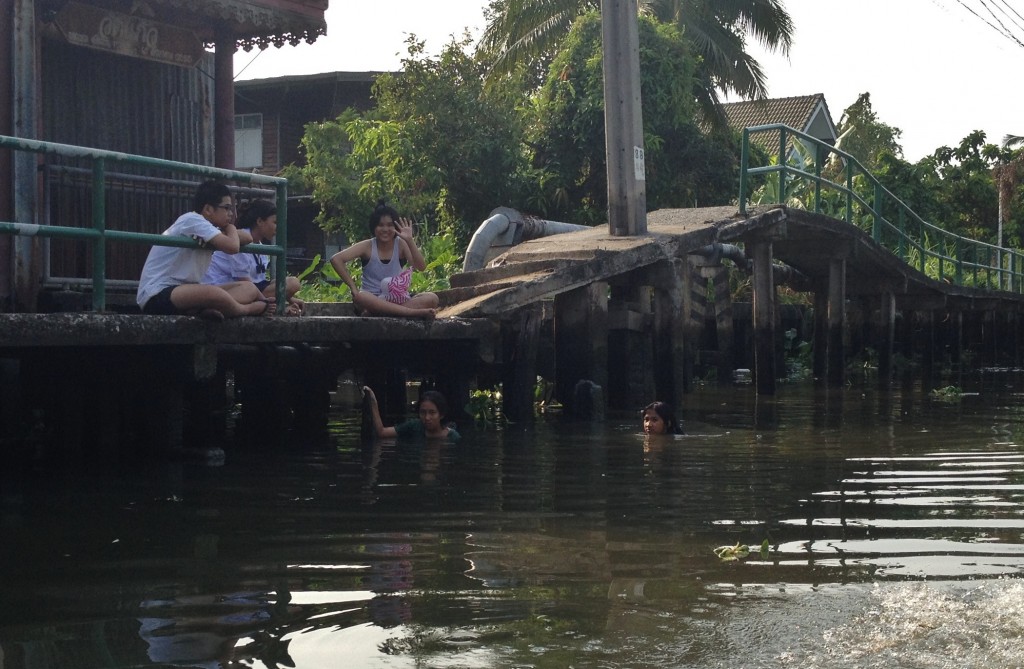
{"points": [[623, 119]]}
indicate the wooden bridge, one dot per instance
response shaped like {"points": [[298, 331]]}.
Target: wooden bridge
{"points": [[613, 321], [627, 314], [646, 294]]}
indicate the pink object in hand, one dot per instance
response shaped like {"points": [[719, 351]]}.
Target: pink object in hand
{"points": [[396, 289]]}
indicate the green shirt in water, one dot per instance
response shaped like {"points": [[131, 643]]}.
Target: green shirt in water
{"points": [[413, 429]]}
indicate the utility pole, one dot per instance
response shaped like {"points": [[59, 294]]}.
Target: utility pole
{"points": [[25, 273], [623, 119]]}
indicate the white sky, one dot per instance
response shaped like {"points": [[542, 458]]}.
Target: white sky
{"points": [[933, 69]]}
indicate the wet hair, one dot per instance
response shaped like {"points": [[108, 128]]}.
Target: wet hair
{"points": [[254, 210], [666, 414], [379, 212], [209, 193], [437, 399]]}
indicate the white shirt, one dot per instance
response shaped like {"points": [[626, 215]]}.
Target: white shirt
{"points": [[227, 267], [173, 266]]}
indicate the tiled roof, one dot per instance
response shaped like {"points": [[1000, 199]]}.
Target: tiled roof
{"points": [[796, 112]]}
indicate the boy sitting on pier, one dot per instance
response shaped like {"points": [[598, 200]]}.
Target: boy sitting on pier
{"points": [[170, 281]]}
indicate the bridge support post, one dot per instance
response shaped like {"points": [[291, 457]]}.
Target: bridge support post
{"points": [[1013, 333], [836, 322], [991, 325], [581, 340], [926, 339], [885, 330], [692, 320], [630, 336], [764, 318], [724, 323], [670, 346], [956, 343], [521, 337], [819, 348]]}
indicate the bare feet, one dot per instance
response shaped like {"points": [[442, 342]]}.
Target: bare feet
{"points": [[211, 315], [261, 307], [425, 314]]}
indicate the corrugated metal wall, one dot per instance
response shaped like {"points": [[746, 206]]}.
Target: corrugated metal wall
{"points": [[101, 100]]}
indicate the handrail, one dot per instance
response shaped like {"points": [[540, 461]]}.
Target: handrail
{"points": [[954, 258], [98, 234]]}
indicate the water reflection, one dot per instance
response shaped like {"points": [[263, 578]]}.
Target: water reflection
{"points": [[566, 544]]}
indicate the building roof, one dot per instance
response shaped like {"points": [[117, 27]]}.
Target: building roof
{"points": [[367, 76], [799, 112]]}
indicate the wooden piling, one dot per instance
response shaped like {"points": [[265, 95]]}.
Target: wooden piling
{"points": [[836, 322], [521, 339], [885, 335], [764, 318], [630, 320], [819, 347], [581, 339], [724, 322], [669, 332], [695, 296]]}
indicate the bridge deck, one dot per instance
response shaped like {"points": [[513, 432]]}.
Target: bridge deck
{"points": [[534, 270], [808, 242]]}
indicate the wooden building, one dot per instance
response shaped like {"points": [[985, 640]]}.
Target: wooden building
{"points": [[271, 114], [270, 119], [146, 77]]}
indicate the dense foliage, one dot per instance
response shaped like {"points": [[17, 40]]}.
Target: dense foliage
{"points": [[446, 144], [524, 33], [685, 167], [438, 147], [954, 189]]}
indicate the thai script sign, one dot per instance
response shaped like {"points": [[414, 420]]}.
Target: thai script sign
{"points": [[128, 35]]}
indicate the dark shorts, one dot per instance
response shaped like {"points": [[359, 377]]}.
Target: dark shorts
{"points": [[161, 305], [262, 285]]}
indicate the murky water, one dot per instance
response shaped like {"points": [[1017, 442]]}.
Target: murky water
{"points": [[893, 527]]}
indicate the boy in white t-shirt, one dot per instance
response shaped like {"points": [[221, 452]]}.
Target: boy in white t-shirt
{"points": [[170, 281]]}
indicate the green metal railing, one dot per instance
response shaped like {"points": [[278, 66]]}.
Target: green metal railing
{"points": [[933, 251], [99, 234]]}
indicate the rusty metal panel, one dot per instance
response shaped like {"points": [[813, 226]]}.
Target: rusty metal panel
{"points": [[111, 102], [106, 101]]}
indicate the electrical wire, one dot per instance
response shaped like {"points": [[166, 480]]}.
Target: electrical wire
{"points": [[1001, 29]]}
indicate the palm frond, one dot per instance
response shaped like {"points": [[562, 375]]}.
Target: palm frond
{"points": [[1012, 140]]}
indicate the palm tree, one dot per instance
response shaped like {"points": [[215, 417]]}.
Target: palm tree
{"points": [[523, 30], [1006, 180]]}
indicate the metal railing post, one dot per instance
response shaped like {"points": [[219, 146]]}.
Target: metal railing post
{"points": [[1015, 282], [744, 157], [901, 241], [876, 225], [783, 165], [958, 268], [819, 158], [849, 191], [281, 262], [99, 245]]}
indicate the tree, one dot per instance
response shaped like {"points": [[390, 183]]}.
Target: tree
{"points": [[967, 203], [1006, 174], [865, 137], [684, 167], [521, 31], [438, 145]]}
